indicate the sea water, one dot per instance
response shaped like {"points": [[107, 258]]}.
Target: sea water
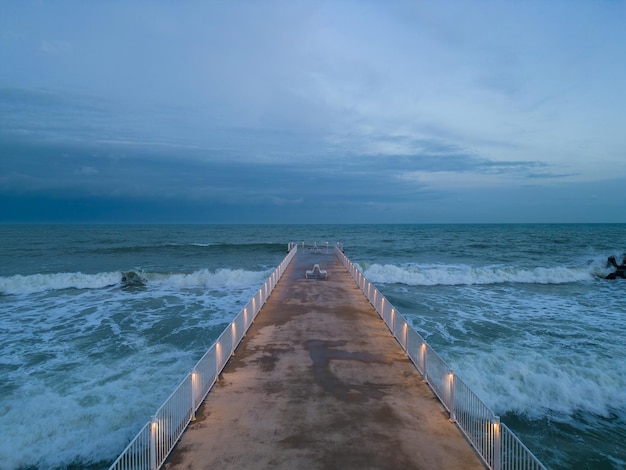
{"points": [[99, 324]]}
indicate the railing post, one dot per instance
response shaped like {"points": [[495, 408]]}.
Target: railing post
{"points": [[496, 443], [451, 396], [233, 330], [153, 431], [406, 336], [424, 351], [194, 394], [218, 349]]}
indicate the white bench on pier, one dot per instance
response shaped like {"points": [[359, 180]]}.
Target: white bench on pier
{"points": [[316, 272]]}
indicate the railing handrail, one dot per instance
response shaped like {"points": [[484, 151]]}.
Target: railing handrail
{"points": [[495, 443], [153, 444]]}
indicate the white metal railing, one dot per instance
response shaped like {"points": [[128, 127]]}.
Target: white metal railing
{"points": [[496, 444], [149, 449]]}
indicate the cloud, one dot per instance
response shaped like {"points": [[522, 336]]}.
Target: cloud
{"points": [[15, 182], [278, 201], [86, 171], [325, 108]]}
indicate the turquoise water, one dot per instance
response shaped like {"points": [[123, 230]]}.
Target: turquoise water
{"points": [[98, 324]]}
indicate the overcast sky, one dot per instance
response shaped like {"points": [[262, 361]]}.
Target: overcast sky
{"points": [[320, 112]]}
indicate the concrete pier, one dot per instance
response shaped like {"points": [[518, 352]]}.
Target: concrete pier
{"points": [[320, 383]]}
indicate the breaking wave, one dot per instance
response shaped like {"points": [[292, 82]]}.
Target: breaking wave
{"points": [[220, 278], [440, 274], [534, 384]]}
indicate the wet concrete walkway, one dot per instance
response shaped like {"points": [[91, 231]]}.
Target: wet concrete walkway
{"points": [[320, 383]]}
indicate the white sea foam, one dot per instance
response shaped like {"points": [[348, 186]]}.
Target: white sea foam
{"points": [[536, 384], [33, 283], [552, 352], [54, 424], [439, 274], [221, 278], [96, 362]]}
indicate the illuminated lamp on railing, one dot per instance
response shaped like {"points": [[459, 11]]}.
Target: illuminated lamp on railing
{"points": [[218, 355], [194, 394], [154, 425], [233, 328], [495, 425], [451, 396], [423, 361], [405, 334]]}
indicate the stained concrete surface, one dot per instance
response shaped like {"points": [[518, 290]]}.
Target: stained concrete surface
{"points": [[320, 383]]}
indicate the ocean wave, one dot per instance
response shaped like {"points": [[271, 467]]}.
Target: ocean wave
{"points": [[19, 284], [87, 402], [224, 278], [440, 274], [220, 278], [536, 385]]}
